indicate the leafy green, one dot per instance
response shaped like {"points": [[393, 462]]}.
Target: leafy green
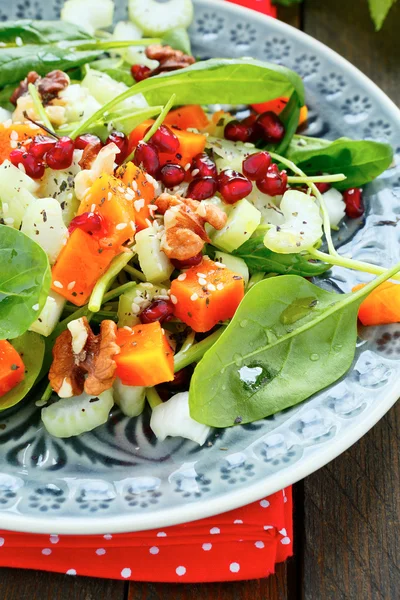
{"points": [[5, 95], [178, 38], [30, 346], [25, 279], [290, 118], [288, 340], [259, 258], [40, 32], [379, 10], [361, 161]]}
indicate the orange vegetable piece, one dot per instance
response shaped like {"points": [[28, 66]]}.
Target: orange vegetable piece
{"points": [[184, 117], [381, 306], [79, 265], [146, 358], [190, 144], [108, 197], [202, 305], [25, 131], [277, 105], [12, 368], [144, 190]]}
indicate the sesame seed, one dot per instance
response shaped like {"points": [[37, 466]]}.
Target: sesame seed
{"points": [[163, 331], [7, 124], [133, 225], [174, 299], [202, 281], [211, 287], [35, 307], [134, 185], [71, 285], [57, 284], [195, 172], [138, 300], [221, 266], [181, 277], [135, 308], [148, 222], [21, 167], [109, 195], [13, 144], [187, 167], [92, 208], [9, 221], [201, 275], [121, 226], [121, 189], [138, 204], [220, 286], [14, 135], [127, 328], [194, 297]]}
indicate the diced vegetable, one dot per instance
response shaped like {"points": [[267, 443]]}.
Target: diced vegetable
{"points": [[208, 294], [112, 200], [135, 178], [11, 367], [16, 193], [50, 315], [90, 14], [382, 306], [185, 117], [243, 220], [172, 418], [60, 185], [130, 398], [146, 358], [137, 298], [104, 88], [79, 103], [155, 18], [12, 134], [76, 415], [153, 262], [335, 205], [233, 263], [80, 264], [43, 223]]}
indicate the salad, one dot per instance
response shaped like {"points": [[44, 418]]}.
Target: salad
{"points": [[163, 223]]}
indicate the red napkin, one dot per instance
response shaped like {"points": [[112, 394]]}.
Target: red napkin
{"points": [[241, 544], [262, 6]]}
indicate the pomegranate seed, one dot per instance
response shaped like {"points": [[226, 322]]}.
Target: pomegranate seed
{"points": [[205, 166], [354, 203], [237, 132], [40, 145], [274, 183], [201, 188], [88, 222], [84, 140], [256, 165], [159, 310], [165, 140], [121, 141], [172, 175], [146, 156], [323, 187], [269, 127], [233, 186], [33, 167], [140, 72], [189, 262], [60, 156]]}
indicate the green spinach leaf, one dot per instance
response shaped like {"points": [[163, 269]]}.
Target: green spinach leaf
{"points": [[25, 279], [5, 95], [40, 32], [259, 258], [290, 118], [30, 347], [275, 352], [360, 161], [178, 39], [379, 10]]}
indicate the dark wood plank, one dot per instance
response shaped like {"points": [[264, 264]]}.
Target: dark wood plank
{"points": [[30, 585]]}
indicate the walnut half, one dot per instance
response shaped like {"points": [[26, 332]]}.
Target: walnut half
{"points": [[92, 369]]}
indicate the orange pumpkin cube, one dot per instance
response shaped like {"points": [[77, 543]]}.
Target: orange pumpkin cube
{"points": [[146, 358], [12, 368], [206, 294], [135, 178], [14, 136], [189, 116]]}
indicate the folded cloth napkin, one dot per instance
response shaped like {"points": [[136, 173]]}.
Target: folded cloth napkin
{"points": [[262, 6], [241, 544]]}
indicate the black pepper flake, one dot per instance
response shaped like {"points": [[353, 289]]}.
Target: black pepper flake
{"points": [[178, 156], [237, 277], [207, 301], [2, 426], [94, 400], [190, 314], [74, 294], [44, 214], [238, 420], [63, 205], [14, 367], [100, 250], [63, 186]]}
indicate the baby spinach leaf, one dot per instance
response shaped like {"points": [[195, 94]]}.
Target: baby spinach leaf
{"points": [[290, 118], [40, 32], [288, 340], [379, 10], [30, 346], [259, 258], [178, 38], [361, 161], [25, 279]]}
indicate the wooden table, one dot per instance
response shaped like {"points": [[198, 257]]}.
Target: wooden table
{"points": [[347, 514]]}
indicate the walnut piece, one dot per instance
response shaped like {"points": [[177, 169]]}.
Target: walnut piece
{"points": [[22, 89], [90, 153], [184, 220], [96, 360], [169, 59], [48, 87]]}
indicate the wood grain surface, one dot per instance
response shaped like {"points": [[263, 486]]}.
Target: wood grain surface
{"points": [[347, 514]]}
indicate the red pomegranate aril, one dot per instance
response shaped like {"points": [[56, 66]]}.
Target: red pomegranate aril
{"points": [[172, 175], [354, 203], [269, 127], [88, 222], [274, 183], [204, 165], [189, 262], [121, 141], [165, 140], [40, 145], [237, 131], [84, 140], [233, 186], [60, 156], [201, 188], [256, 165], [158, 310], [323, 187], [33, 167], [140, 72], [146, 156]]}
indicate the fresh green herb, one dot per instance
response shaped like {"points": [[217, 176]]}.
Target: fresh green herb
{"points": [[360, 161], [178, 38], [262, 364], [290, 118], [379, 10], [25, 279], [195, 352], [5, 95], [117, 264], [259, 258], [39, 108], [30, 346], [160, 119], [41, 32]]}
